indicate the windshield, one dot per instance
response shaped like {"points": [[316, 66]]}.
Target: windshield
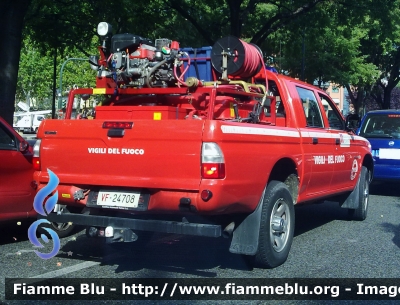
{"points": [[381, 126]]}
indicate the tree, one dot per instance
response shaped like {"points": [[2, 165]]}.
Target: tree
{"points": [[351, 43], [55, 24], [371, 104], [380, 47], [35, 78], [385, 53], [331, 40], [12, 15]]}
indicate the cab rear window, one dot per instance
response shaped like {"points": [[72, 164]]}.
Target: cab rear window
{"points": [[381, 126]]}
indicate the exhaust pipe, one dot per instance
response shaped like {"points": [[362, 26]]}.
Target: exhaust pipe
{"points": [[92, 232], [228, 230]]}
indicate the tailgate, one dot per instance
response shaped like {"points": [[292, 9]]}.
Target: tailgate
{"points": [[153, 154]]}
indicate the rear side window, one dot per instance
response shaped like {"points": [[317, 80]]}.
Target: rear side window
{"points": [[7, 140], [381, 126], [310, 107]]}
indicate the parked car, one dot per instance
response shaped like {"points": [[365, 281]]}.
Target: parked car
{"points": [[382, 129], [17, 188]]}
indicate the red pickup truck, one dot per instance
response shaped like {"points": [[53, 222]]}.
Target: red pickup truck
{"points": [[227, 152]]}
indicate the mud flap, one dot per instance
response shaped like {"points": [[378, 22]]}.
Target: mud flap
{"points": [[245, 236], [353, 200]]}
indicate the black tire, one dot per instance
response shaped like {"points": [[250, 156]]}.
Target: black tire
{"points": [[276, 227], [360, 213], [62, 229]]}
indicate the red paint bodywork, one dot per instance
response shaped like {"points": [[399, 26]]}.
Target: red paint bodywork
{"points": [[170, 125], [16, 172]]}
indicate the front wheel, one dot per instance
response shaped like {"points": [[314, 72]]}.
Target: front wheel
{"points": [[276, 227]]}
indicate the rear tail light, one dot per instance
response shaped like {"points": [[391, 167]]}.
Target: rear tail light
{"points": [[36, 155], [212, 161]]}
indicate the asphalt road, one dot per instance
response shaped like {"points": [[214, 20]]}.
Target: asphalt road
{"points": [[326, 245]]}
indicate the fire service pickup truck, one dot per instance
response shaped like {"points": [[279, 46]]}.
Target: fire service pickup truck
{"points": [[203, 142]]}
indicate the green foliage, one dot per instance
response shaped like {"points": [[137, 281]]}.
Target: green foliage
{"points": [[350, 42], [35, 77], [331, 49], [61, 24]]}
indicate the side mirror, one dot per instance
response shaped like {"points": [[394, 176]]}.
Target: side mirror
{"points": [[352, 122]]}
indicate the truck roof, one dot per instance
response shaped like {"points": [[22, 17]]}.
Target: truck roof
{"points": [[384, 111]]}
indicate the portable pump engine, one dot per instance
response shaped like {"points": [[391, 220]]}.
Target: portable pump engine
{"points": [[138, 62], [134, 61]]}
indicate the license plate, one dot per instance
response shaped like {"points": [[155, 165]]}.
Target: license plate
{"points": [[118, 199], [389, 153]]}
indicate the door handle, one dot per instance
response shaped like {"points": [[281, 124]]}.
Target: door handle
{"points": [[116, 133], [315, 140]]}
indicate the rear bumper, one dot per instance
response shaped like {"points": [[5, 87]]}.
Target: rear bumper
{"points": [[227, 197], [386, 172], [162, 226]]}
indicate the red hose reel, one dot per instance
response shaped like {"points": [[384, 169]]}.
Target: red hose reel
{"points": [[239, 58]]}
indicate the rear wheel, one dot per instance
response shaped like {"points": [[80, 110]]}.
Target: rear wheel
{"points": [[277, 226], [360, 213], [63, 229]]}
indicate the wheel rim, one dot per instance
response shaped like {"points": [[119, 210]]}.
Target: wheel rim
{"points": [[280, 225], [366, 195]]}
